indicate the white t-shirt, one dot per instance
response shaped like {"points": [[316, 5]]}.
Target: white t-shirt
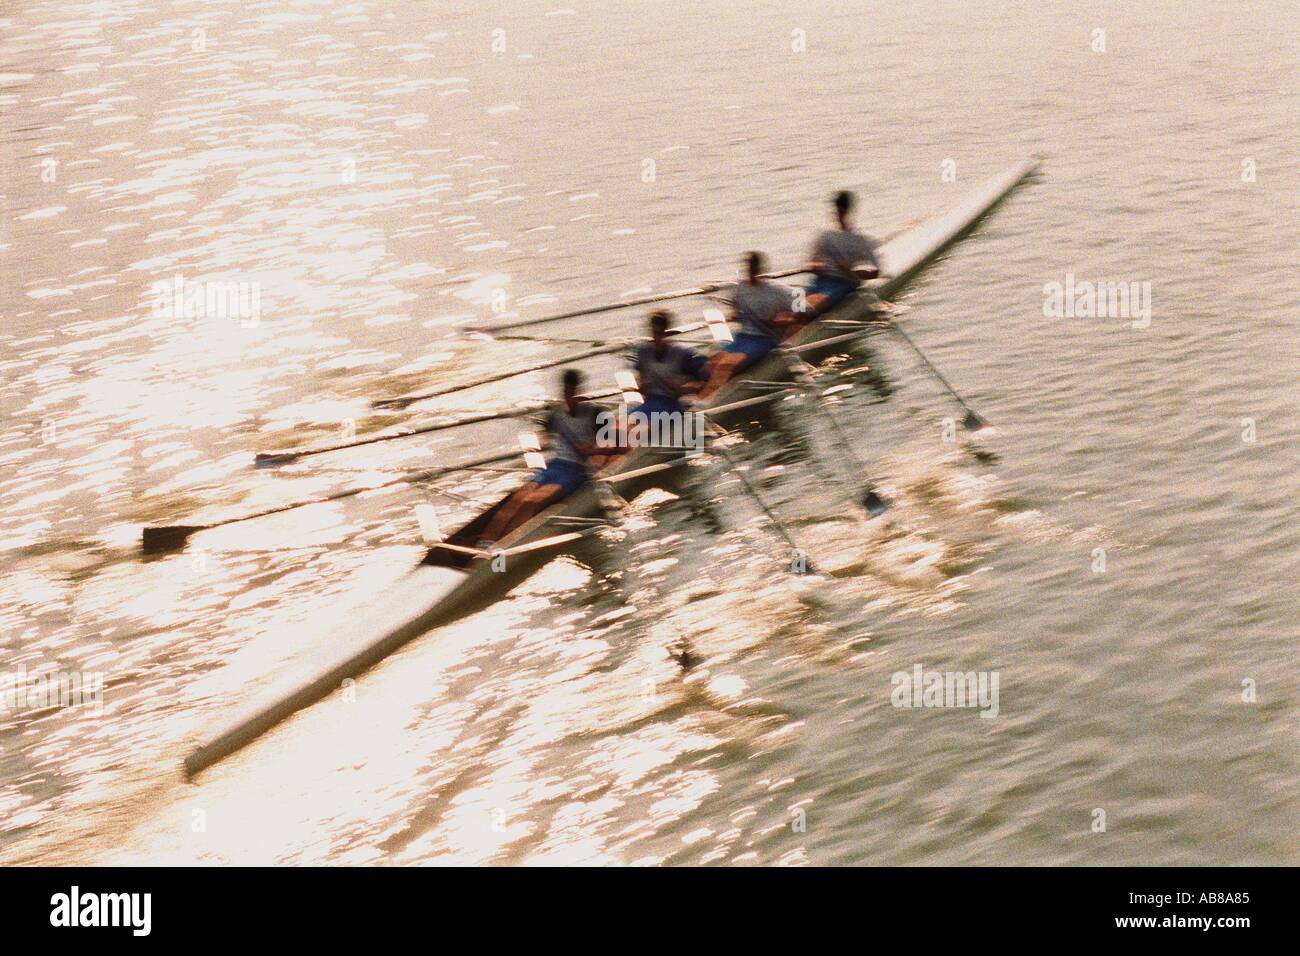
{"points": [[841, 250]]}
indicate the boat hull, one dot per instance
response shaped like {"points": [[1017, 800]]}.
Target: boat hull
{"points": [[439, 591]]}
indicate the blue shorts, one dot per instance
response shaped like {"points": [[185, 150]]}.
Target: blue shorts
{"points": [[836, 290], [656, 403], [569, 475], [753, 347]]}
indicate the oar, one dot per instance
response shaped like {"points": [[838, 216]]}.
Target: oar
{"points": [[875, 503], [405, 400], [155, 540], [707, 289], [871, 500], [625, 304], [973, 420], [554, 541], [758, 499], [283, 457]]}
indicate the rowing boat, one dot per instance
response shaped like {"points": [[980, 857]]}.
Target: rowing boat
{"points": [[455, 580]]}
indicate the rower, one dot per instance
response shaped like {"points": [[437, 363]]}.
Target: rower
{"points": [[841, 260], [765, 310], [666, 371], [571, 428]]}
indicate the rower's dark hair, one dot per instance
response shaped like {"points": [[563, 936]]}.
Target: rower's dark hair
{"points": [[571, 378], [756, 262], [843, 203], [660, 320]]}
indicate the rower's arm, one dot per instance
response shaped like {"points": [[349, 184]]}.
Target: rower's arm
{"points": [[816, 257], [699, 371], [598, 454], [868, 267], [637, 375]]}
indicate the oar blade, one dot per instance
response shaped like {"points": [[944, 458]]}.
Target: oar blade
{"points": [[973, 422], [265, 459], [169, 538], [874, 502]]}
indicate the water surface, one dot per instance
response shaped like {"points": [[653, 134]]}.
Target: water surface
{"points": [[386, 172]]}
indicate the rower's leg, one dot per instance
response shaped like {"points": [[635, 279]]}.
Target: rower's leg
{"points": [[817, 303], [813, 306], [722, 366], [505, 518], [540, 497]]}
